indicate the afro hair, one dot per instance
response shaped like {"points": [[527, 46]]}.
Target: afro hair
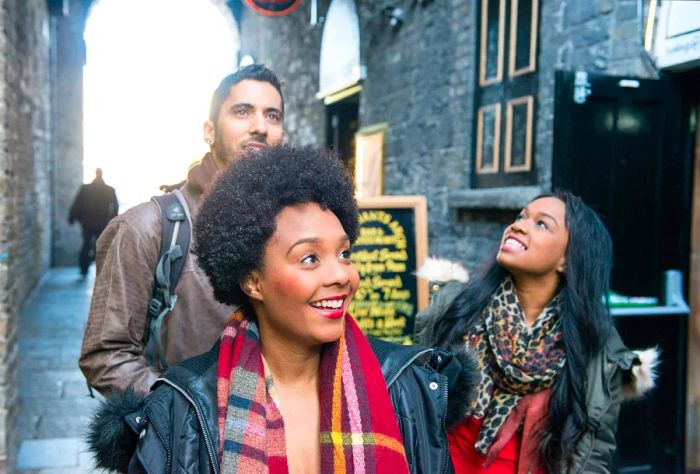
{"points": [[239, 215]]}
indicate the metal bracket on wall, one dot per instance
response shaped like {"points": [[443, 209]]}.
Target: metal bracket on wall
{"points": [[314, 13], [582, 88], [59, 8]]}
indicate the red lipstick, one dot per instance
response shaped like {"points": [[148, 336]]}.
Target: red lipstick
{"points": [[337, 314], [331, 313]]}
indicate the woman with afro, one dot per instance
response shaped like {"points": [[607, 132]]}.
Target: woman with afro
{"points": [[292, 385]]}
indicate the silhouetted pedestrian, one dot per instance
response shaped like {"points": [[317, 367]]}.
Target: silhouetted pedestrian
{"points": [[94, 206]]}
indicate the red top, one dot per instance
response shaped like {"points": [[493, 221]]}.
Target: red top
{"points": [[467, 461], [514, 451]]}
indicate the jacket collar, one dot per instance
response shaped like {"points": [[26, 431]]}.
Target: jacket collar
{"points": [[200, 178], [457, 369]]}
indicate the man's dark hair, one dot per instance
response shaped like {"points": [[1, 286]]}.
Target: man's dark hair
{"points": [[239, 215], [254, 72]]}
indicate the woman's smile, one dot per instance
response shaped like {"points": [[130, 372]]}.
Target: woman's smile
{"points": [[512, 244], [331, 307]]}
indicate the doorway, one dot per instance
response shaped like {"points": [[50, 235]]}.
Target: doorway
{"points": [[341, 126], [626, 151], [624, 146]]}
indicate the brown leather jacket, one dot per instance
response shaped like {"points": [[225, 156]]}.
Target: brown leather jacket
{"points": [[112, 355]]}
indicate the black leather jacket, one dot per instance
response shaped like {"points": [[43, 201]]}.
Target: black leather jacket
{"points": [[177, 422]]}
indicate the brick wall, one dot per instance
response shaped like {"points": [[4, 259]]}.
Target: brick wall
{"points": [[25, 183]]}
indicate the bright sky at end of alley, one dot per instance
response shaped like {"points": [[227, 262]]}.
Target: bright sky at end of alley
{"points": [[151, 68]]}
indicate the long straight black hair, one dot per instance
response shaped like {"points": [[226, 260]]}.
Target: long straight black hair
{"points": [[585, 319]]}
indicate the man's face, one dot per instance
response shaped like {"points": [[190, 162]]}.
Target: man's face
{"points": [[250, 119]]}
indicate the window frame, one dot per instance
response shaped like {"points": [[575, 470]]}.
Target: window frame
{"points": [[508, 167]]}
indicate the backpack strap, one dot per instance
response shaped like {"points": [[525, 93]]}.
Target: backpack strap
{"points": [[174, 246]]}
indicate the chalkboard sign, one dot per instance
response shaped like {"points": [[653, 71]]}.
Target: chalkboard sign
{"points": [[391, 246]]}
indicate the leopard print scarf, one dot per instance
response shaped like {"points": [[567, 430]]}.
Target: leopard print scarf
{"points": [[514, 359]]}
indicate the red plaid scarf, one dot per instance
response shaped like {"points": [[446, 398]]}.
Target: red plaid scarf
{"points": [[356, 436]]}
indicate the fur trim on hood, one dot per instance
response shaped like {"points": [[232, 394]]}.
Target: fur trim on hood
{"points": [[642, 377], [113, 432], [442, 270]]}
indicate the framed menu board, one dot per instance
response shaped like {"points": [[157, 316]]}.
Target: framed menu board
{"points": [[391, 246]]}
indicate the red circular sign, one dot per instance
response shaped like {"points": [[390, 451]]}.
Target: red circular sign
{"points": [[273, 7]]}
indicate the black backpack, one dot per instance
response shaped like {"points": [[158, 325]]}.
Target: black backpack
{"points": [[174, 246]]}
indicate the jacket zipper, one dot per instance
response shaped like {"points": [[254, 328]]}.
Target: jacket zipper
{"points": [[444, 410], [444, 428], [200, 417], [168, 452]]}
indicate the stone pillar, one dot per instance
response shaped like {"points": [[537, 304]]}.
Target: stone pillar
{"points": [[68, 59]]}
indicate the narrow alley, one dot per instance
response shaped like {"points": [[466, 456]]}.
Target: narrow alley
{"points": [[54, 401]]}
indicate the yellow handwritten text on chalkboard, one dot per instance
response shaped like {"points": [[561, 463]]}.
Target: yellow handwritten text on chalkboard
{"points": [[385, 300]]}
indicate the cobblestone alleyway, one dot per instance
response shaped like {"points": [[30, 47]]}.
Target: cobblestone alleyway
{"points": [[54, 401]]}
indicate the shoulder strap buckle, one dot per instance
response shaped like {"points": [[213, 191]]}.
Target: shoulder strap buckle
{"points": [[174, 246]]}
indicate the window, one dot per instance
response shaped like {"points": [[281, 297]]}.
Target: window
{"points": [[488, 138], [507, 81]]}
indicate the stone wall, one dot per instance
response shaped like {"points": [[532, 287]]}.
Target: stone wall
{"points": [[600, 36], [290, 46], [25, 184], [421, 80]]}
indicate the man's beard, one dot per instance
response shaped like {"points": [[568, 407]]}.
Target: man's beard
{"points": [[226, 154]]}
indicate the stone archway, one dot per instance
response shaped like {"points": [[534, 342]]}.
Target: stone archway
{"points": [[69, 118]]}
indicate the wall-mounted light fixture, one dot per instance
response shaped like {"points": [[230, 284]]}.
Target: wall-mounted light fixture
{"points": [[395, 14], [246, 60], [58, 7]]}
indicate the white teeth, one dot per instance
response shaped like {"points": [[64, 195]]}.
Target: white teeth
{"points": [[514, 244], [330, 304]]}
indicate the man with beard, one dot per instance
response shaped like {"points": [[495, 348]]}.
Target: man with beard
{"points": [[246, 114]]}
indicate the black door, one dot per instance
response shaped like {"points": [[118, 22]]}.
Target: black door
{"points": [[341, 126], [625, 151], [623, 145]]}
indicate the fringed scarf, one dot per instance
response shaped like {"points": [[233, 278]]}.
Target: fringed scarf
{"points": [[514, 360], [356, 436]]}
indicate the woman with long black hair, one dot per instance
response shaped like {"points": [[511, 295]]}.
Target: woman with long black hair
{"points": [[553, 367]]}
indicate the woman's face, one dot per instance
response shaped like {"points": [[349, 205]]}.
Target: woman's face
{"points": [[303, 290], [535, 243]]}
